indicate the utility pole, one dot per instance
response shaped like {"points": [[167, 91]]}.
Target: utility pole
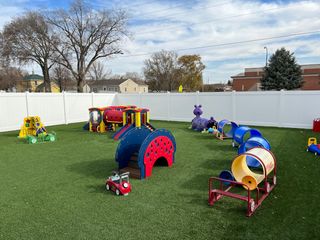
{"points": [[266, 56]]}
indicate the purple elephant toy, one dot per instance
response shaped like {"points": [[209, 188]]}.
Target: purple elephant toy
{"points": [[199, 123]]}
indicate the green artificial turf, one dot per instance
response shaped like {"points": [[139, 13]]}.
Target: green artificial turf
{"points": [[56, 190]]}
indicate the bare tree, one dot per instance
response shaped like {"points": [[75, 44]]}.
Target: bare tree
{"points": [[132, 75], [87, 35], [28, 39], [9, 76], [98, 71], [62, 77], [161, 71]]}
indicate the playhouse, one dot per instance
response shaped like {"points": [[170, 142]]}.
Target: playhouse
{"points": [[142, 146], [106, 118]]}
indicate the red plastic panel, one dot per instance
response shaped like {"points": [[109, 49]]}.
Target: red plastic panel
{"points": [[160, 147], [316, 125], [112, 116]]}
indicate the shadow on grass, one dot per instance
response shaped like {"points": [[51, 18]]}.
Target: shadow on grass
{"points": [[197, 182], [97, 188], [96, 168], [192, 199], [216, 163], [218, 147]]}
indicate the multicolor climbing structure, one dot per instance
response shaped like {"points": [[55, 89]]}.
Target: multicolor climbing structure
{"points": [[142, 146], [106, 118], [134, 118], [33, 131]]}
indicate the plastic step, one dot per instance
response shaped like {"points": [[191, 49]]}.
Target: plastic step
{"points": [[134, 158], [133, 164]]}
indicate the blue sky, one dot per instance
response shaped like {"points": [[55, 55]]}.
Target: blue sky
{"points": [[190, 24]]}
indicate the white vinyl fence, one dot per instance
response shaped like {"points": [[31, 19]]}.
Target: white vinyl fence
{"points": [[294, 109], [53, 108]]}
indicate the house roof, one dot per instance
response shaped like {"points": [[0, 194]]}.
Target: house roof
{"points": [[107, 82], [114, 82], [32, 77], [140, 82]]}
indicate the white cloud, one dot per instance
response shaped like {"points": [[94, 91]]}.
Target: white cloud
{"points": [[167, 25], [179, 29]]}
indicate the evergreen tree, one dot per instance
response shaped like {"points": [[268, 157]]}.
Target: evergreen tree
{"points": [[283, 72]]}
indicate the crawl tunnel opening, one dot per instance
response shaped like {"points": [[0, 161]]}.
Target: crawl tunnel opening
{"points": [[227, 128], [252, 143], [95, 116], [244, 133], [161, 162], [252, 177]]}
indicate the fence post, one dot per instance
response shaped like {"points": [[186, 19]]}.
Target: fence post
{"points": [[197, 98], [140, 100], [280, 108], [169, 102], [92, 99], [233, 107], [65, 107], [27, 103]]}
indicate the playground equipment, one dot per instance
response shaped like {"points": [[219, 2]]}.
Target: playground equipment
{"points": [[34, 131], [252, 143], [106, 118], [222, 132], [119, 183], [226, 174], [260, 182], [242, 133], [313, 146], [142, 146], [316, 125], [134, 118], [199, 123]]}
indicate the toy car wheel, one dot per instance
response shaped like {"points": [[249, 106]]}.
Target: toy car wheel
{"points": [[233, 144], [307, 149], [52, 138], [107, 187], [315, 154], [33, 140], [117, 192]]}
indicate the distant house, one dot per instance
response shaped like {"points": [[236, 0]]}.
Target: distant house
{"points": [[34, 83], [217, 87], [119, 85], [54, 87], [29, 83], [250, 80]]}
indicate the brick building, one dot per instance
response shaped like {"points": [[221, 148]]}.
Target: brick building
{"points": [[250, 79]]}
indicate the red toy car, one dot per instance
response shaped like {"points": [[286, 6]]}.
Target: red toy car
{"points": [[119, 183]]}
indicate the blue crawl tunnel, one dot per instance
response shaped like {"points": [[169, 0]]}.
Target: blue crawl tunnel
{"points": [[251, 143], [222, 128], [242, 133]]}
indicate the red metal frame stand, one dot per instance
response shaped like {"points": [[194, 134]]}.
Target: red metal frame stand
{"points": [[252, 202]]}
